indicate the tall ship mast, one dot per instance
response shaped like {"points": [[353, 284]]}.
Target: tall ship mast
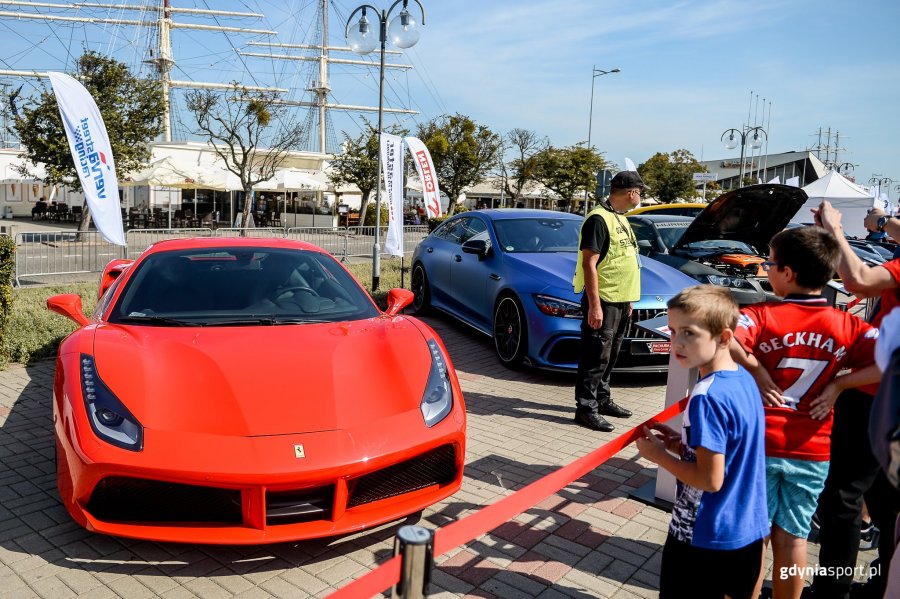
{"points": [[319, 105]]}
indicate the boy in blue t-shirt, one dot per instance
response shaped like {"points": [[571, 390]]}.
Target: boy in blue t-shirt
{"points": [[720, 517]]}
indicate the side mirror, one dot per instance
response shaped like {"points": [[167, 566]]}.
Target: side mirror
{"points": [[69, 305], [645, 246], [479, 247], [398, 299]]}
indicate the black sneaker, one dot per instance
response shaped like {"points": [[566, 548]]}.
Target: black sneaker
{"points": [[593, 421], [868, 536], [613, 409]]}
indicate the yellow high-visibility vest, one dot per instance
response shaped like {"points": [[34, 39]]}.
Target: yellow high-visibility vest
{"points": [[619, 273]]}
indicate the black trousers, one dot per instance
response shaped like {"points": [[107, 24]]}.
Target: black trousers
{"points": [[852, 475], [598, 354], [688, 571]]}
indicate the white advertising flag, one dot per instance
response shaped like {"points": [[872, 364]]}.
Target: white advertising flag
{"points": [[392, 166], [92, 153], [424, 165]]}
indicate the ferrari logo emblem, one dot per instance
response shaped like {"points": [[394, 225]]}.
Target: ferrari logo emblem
{"points": [[298, 451]]}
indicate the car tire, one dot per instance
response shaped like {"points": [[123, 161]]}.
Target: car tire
{"points": [[421, 293], [510, 331]]}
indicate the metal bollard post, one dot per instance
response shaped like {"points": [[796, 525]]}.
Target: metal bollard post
{"points": [[415, 544]]}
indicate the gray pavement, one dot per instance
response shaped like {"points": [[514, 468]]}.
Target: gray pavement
{"points": [[588, 540]]}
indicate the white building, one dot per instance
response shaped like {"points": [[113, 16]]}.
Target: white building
{"points": [[301, 191]]}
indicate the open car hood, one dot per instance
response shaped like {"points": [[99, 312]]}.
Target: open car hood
{"points": [[752, 214]]}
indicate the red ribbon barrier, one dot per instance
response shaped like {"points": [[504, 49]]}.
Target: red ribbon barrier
{"points": [[853, 303], [490, 517]]}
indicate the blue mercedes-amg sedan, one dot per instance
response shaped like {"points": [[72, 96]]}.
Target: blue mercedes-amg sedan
{"points": [[508, 273]]}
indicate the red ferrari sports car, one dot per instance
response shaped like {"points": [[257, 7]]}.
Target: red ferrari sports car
{"points": [[249, 391]]}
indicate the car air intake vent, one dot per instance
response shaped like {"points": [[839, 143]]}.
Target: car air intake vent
{"points": [[123, 499], [437, 467], [564, 352], [291, 507], [635, 332]]}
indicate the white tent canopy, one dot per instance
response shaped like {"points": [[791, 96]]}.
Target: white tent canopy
{"points": [[165, 172], [299, 179], [850, 199]]}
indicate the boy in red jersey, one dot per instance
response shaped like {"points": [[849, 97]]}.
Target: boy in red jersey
{"points": [[802, 343]]}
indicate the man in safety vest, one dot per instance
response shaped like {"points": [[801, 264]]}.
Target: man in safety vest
{"points": [[608, 271]]}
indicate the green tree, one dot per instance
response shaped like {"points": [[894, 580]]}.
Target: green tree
{"points": [[463, 151], [570, 172], [670, 176], [358, 165], [132, 111], [248, 130], [526, 147]]}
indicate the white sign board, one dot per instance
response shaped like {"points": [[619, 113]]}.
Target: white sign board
{"points": [[704, 177]]}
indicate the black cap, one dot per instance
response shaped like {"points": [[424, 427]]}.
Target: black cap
{"points": [[627, 180]]}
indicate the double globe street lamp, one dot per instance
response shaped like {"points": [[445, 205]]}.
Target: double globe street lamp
{"points": [[403, 31], [755, 142]]}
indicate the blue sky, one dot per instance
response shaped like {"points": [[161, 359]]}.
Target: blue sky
{"points": [[687, 69]]}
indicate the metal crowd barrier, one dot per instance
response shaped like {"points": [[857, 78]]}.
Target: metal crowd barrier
{"points": [[77, 252], [267, 232], [140, 239], [331, 239], [62, 253]]}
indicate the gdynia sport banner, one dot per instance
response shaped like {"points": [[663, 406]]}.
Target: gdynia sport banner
{"points": [[392, 165], [92, 153], [425, 166]]}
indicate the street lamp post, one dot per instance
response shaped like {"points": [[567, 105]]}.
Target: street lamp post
{"points": [[404, 33], [845, 167], [594, 74], [883, 183], [755, 142]]}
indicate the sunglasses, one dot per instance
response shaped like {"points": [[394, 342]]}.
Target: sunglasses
{"points": [[767, 265]]}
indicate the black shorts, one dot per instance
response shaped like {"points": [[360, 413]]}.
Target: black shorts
{"points": [[689, 571]]}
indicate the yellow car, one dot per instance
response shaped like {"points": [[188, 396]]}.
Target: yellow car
{"points": [[679, 209]]}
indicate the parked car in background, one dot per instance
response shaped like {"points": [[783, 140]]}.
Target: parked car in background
{"points": [[727, 242], [207, 399], [508, 274], [674, 209]]}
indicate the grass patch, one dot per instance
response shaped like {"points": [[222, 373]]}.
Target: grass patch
{"points": [[34, 333]]}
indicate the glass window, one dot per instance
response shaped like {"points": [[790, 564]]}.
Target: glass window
{"points": [[538, 235], [240, 286]]}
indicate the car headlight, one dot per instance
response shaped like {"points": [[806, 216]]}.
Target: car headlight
{"points": [[109, 417], [553, 306], [438, 397], [727, 281]]}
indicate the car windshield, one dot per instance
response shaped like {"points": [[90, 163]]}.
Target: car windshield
{"points": [[672, 232], [538, 235], [240, 286]]}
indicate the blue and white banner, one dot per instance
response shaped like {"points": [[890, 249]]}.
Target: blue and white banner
{"points": [[92, 154], [392, 167], [431, 194]]}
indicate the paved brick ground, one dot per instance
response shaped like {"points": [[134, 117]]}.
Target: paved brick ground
{"points": [[588, 540]]}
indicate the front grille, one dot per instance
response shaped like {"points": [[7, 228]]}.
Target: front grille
{"points": [[437, 467], [123, 499], [291, 507], [635, 332]]}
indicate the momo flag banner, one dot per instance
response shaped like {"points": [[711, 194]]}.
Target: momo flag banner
{"points": [[92, 153], [425, 166], [392, 165]]}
